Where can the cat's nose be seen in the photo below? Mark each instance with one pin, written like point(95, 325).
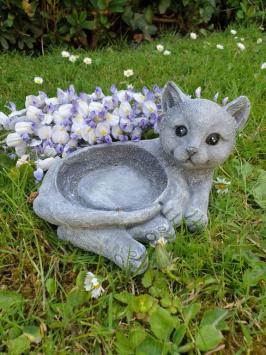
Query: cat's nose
point(192, 150)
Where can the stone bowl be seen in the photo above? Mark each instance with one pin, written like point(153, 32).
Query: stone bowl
point(112, 178)
point(119, 184)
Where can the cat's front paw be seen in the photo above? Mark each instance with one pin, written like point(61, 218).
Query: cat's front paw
point(172, 211)
point(195, 219)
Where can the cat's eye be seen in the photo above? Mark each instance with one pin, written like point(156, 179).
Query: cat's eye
point(213, 139)
point(180, 131)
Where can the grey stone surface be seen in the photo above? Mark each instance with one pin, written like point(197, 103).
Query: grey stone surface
point(107, 198)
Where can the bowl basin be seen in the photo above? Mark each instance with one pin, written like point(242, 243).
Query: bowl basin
point(116, 177)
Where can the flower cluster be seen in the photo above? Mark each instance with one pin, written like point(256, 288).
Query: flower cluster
point(50, 127)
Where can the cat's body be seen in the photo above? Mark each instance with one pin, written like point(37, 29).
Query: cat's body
point(196, 135)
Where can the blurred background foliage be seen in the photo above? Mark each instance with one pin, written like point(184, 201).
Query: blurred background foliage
point(36, 24)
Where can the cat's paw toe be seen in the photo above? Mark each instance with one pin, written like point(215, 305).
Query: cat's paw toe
point(196, 220)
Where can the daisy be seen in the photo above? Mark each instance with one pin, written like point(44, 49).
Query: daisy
point(92, 284)
point(73, 58)
point(166, 52)
point(233, 32)
point(193, 35)
point(65, 54)
point(219, 46)
point(38, 80)
point(221, 185)
point(241, 46)
point(263, 66)
point(160, 48)
point(259, 40)
point(87, 60)
point(128, 73)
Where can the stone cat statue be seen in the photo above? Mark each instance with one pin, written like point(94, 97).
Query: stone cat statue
point(195, 136)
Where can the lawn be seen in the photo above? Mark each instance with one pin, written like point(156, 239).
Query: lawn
point(212, 295)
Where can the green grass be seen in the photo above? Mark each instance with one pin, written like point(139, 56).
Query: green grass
point(223, 267)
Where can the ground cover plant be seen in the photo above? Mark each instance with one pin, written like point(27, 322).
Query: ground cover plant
point(207, 292)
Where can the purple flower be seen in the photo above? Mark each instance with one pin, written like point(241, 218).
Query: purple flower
point(113, 89)
point(59, 148)
point(25, 137)
point(38, 174)
point(108, 139)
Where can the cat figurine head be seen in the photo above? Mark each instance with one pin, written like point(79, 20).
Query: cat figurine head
point(199, 133)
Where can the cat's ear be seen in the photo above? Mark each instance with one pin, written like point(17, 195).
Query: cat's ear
point(172, 96)
point(239, 109)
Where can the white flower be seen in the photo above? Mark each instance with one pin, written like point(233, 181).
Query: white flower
point(45, 164)
point(82, 107)
point(38, 80)
point(149, 107)
point(198, 92)
point(242, 39)
point(49, 151)
point(73, 58)
point(233, 32)
point(44, 132)
point(193, 35)
point(241, 46)
point(125, 109)
point(59, 135)
point(219, 46)
point(102, 129)
point(33, 113)
point(112, 119)
point(95, 106)
point(23, 127)
point(87, 60)
point(130, 87)
point(22, 160)
point(52, 100)
point(128, 72)
point(65, 54)
point(63, 112)
point(91, 283)
point(139, 97)
point(166, 52)
point(116, 132)
point(221, 185)
point(263, 66)
point(160, 47)
point(88, 134)
point(235, 37)
point(14, 140)
point(47, 118)
point(259, 40)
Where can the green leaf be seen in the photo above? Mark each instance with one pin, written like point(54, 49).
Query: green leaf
point(136, 336)
point(215, 317)
point(162, 323)
point(122, 344)
point(259, 190)
point(149, 346)
point(77, 297)
point(11, 301)
point(89, 25)
point(19, 345)
point(6, 162)
point(147, 278)
point(191, 311)
point(50, 285)
point(163, 6)
point(4, 43)
point(101, 4)
point(142, 303)
point(124, 297)
point(33, 334)
point(208, 337)
point(179, 334)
